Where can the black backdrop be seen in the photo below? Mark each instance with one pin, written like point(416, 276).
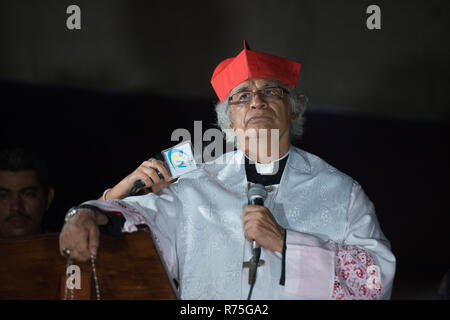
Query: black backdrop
point(87, 102)
point(92, 140)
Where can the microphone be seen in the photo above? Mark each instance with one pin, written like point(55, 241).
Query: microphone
point(257, 193)
point(178, 160)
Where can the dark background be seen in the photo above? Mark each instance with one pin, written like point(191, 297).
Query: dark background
point(98, 101)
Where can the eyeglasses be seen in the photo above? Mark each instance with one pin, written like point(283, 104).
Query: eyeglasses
point(246, 97)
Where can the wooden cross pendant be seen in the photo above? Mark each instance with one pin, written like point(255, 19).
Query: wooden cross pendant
point(251, 265)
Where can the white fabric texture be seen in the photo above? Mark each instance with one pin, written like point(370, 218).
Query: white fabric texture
point(197, 225)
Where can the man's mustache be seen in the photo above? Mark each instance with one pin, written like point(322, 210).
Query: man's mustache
point(18, 214)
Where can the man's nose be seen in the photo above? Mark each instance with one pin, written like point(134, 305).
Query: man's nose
point(258, 102)
point(16, 203)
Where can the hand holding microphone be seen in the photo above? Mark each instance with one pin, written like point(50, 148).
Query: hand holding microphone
point(150, 174)
point(257, 193)
point(260, 227)
point(155, 174)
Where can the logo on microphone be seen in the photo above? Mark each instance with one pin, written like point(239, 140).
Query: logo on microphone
point(180, 159)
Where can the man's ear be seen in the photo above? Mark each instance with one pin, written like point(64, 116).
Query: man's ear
point(294, 116)
point(50, 196)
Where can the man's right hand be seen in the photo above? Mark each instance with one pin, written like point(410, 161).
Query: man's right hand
point(80, 235)
point(145, 172)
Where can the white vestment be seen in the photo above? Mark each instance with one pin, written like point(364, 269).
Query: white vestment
point(197, 225)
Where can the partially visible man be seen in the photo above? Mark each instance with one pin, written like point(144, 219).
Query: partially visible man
point(25, 193)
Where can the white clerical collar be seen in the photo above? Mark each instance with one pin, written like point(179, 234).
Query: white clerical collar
point(267, 168)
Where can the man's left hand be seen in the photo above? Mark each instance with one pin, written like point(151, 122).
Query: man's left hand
point(260, 225)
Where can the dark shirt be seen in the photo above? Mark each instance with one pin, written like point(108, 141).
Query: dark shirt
point(264, 179)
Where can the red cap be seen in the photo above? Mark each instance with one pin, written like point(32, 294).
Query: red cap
point(253, 64)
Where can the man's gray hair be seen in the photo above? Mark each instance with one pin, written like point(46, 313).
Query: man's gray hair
point(297, 102)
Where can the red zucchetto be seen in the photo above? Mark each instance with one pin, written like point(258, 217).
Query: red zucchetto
point(253, 64)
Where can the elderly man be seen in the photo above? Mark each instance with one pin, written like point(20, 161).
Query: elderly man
point(318, 231)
